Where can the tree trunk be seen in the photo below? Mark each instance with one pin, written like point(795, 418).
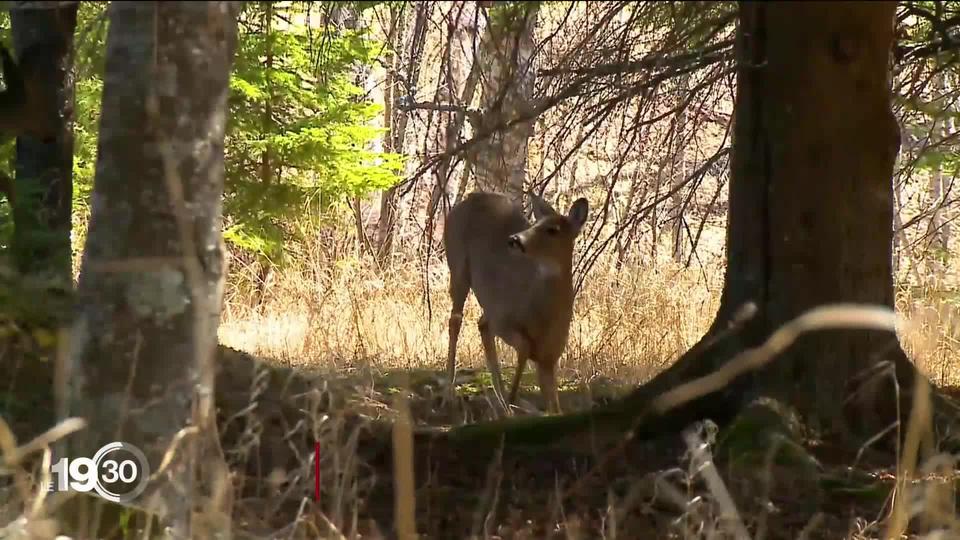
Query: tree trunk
point(811, 206)
point(948, 128)
point(386, 219)
point(397, 119)
point(43, 186)
point(938, 229)
point(460, 76)
point(507, 83)
point(678, 171)
point(140, 368)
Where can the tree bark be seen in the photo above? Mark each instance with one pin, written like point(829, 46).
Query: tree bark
point(825, 145)
point(811, 205)
point(43, 185)
point(507, 84)
point(140, 367)
point(678, 171)
point(390, 111)
point(397, 122)
point(460, 76)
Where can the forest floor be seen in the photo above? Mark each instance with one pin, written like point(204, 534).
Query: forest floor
point(644, 489)
point(324, 362)
point(272, 417)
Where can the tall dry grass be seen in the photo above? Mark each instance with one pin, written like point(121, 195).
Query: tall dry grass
point(340, 312)
point(932, 334)
point(333, 310)
point(346, 315)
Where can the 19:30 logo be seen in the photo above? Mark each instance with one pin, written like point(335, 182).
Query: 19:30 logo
point(118, 472)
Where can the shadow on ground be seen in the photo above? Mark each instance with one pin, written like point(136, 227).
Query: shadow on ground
point(273, 416)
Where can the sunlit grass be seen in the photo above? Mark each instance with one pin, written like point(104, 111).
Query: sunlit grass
point(629, 323)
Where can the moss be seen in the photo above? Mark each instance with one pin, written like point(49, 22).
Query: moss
point(763, 427)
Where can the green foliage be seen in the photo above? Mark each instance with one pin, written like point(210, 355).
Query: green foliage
point(300, 127)
point(318, 134)
point(362, 6)
point(89, 60)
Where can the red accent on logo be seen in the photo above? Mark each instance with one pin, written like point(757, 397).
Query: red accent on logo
point(316, 471)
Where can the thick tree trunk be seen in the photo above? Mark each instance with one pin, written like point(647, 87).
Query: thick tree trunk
point(825, 144)
point(43, 186)
point(507, 81)
point(140, 368)
point(811, 205)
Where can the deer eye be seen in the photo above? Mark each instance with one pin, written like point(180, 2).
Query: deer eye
point(553, 231)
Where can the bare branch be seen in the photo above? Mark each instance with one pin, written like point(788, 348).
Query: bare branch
point(407, 105)
point(652, 61)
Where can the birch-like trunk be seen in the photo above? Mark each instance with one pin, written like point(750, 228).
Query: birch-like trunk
point(140, 368)
point(507, 82)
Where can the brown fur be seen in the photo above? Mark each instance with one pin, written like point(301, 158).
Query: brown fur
point(521, 275)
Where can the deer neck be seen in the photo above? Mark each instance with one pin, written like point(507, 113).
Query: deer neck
point(560, 274)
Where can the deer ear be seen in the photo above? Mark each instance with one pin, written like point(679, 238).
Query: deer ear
point(541, 208)
point(578, 213)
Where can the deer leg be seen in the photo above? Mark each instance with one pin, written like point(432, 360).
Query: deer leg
point(456, 320)
point(522, 346)
point(521, 365)
point(547, 373)
point(459, 288)
point(493, 363)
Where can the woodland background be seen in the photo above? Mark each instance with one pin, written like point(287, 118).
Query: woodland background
point(315, 235)
point(342, 157)
point(353, 127)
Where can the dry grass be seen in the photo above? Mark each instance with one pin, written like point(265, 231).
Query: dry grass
point(339, 316)
point(932, 335)
point(344, 317)
point(628, 324)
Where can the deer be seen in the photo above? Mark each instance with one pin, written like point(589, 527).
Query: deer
point(521, 275)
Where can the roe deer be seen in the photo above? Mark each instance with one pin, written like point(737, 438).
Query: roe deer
point(521, 275)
